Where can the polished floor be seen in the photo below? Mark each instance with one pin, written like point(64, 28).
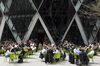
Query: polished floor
point(34, 60)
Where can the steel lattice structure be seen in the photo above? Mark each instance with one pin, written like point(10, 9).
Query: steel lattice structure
point(6, 19)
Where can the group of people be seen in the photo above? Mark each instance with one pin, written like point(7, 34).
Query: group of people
point(14, 51)
point(52, 52)
point(80, 55)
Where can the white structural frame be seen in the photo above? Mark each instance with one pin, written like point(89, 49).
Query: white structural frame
point(7, 20)
point(2, 21)
point(34, 21)
point(78, 22)
point(94, 31)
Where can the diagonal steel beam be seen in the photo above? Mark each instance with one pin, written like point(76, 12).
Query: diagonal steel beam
point(78, 21)
point(34, 21)
point(78, 5)
point(2, 24)
point(3, 21)
point(8, 5)
point(46, 30)
point(94, 31)
point(9, 22)
point(76, 17)
point(31, 27)
point(2, 7)
point(13, 31)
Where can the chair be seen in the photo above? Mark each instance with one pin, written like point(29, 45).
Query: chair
point(30, 52)
point(1, 51)
point(57, 56)
point(91, 54)
point(13, 56)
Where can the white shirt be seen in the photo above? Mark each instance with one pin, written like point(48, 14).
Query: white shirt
point(76, 51)
point(7, 52)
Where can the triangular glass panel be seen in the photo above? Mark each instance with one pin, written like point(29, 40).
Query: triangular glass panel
point(74, 35)
point(55, 14)
point(86, 21)
point(21, 13)
point(75, 1)
point(37, 3)
point(21, 7)
point(7, 35)
point(21, 24)
point(39, 34)
point(90, 23)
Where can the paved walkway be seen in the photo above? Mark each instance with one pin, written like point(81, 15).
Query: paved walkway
point(36, 61)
